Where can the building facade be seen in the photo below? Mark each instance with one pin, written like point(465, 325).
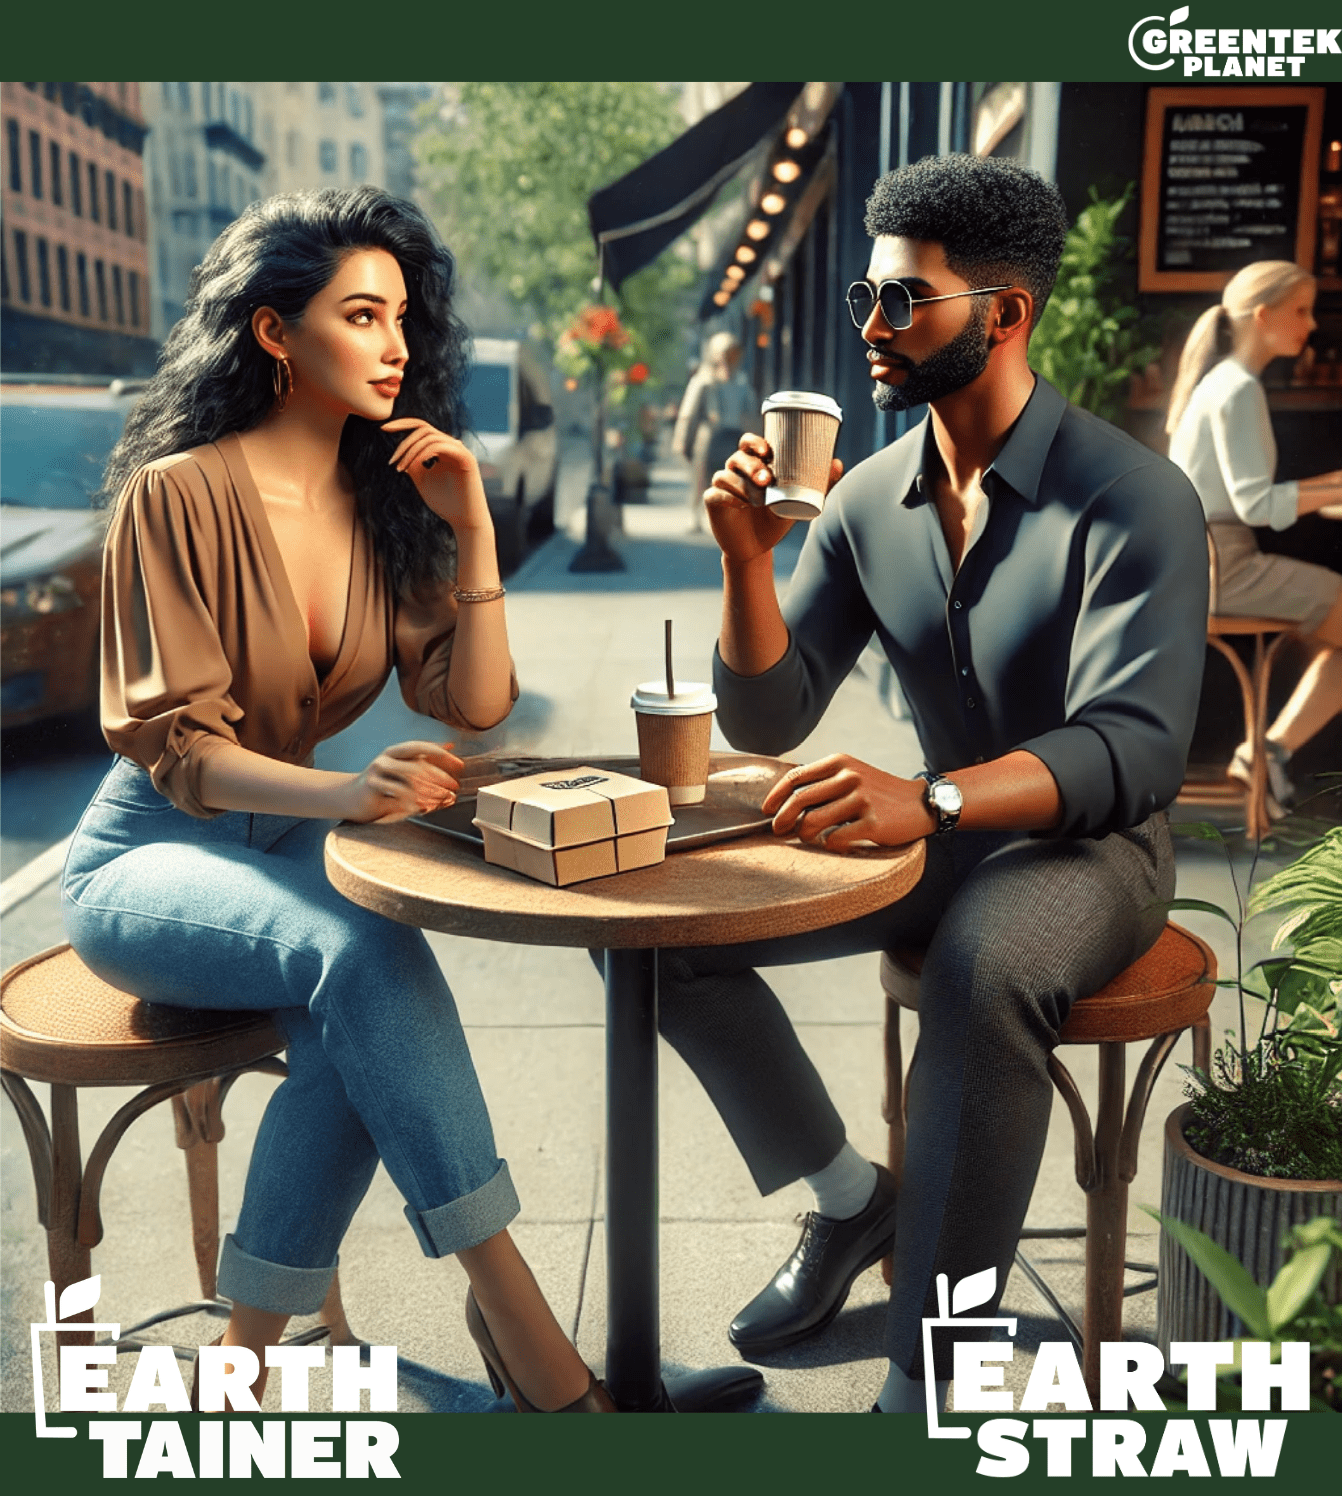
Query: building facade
point(76, 275)
point(216, 147)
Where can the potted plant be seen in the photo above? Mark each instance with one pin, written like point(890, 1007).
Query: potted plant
point(1292, 1307)
point(1257, 1150)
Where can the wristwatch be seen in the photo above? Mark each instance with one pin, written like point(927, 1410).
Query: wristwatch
point(943, 798)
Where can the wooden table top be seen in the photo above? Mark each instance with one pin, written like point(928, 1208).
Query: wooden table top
point(753, 888)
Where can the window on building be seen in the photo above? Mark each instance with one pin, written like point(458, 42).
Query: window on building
point(174, 173)
point(76, 196)
point(118, 299)
point(184, 97)
point(326, 155)
point(192, 184)
point(358, 162)
point(21, 265)
point(49, 92)
point(354, 100)
point(57, 196)
point(82, 277)
point(93, 193)
point(15, 156)
point(43, 272)
point(100, 281)
point(110, 180)
point(167, 95)
point(128, 209)
point(63, 275)
point(205, 97)
point(247, 117)
point(214, 180)
point(293, 149)
point(326, 93)
point(4, 275)
point(134, 280)
point(35, 163)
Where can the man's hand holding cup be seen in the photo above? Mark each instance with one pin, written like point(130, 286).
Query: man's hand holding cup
point(743, 523)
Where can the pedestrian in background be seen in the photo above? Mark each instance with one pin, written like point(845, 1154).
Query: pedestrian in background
point(718, 408)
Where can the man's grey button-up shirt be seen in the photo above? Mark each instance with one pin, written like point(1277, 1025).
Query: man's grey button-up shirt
point(1075, 627)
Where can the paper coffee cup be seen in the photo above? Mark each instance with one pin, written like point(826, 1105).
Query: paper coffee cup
point(801, 427)
point(673, 737)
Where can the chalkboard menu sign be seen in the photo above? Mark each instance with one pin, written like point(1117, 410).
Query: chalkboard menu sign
point(1231, 175)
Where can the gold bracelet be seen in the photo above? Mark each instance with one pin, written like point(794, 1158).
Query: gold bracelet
point(477, 594)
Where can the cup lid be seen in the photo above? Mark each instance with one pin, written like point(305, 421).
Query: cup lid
point(801, 400)
point(692, 699)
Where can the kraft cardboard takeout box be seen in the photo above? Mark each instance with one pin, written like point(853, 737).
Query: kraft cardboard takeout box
point(566, 825)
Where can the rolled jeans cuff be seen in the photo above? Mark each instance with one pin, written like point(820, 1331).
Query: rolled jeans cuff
point(271, 1286)
point(466, 1222)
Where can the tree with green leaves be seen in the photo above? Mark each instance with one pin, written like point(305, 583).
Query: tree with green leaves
point(507, 169)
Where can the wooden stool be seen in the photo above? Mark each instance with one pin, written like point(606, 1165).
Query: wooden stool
point(1268, 634)
point(61, 1024)
point(1168, 990)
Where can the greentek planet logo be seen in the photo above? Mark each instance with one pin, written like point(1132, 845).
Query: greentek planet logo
point(1156, 43)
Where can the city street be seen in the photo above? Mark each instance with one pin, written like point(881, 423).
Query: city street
point(534, 1017)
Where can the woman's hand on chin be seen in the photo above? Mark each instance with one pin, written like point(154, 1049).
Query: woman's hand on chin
point(404, 780)
point(445, 472)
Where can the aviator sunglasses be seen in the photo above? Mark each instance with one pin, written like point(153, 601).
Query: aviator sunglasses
point(897, 301)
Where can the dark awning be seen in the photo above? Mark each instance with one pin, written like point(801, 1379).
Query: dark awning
point(634, 219)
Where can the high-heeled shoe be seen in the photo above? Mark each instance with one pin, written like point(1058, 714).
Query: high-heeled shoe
point(595, 1400)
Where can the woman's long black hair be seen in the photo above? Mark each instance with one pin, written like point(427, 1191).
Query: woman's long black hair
point(214, 378)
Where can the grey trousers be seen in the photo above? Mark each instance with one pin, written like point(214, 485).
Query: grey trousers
point(1016, 929)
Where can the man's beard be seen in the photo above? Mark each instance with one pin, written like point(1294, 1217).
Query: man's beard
point(950, 368)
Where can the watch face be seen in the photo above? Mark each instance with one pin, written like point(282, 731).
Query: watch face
point(947, 798)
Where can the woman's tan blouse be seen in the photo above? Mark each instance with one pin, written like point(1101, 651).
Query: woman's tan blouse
point(203, 641)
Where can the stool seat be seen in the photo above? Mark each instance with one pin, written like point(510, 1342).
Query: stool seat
point(59, 1022)
point(1161, 994)
point(1223, 624)
point(1166, 989)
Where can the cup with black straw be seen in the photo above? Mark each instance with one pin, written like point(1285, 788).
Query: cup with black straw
point(675, 723)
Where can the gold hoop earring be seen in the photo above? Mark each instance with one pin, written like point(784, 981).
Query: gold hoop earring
point(283, 379)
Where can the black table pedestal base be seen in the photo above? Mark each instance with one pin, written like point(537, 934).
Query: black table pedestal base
point(633, 1332)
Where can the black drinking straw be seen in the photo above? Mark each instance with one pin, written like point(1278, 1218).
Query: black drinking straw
point(670, 678)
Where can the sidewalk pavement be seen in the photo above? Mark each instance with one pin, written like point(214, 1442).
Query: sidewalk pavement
point(534, 1019)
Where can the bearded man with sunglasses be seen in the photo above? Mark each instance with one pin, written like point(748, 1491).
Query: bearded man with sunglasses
point(1038, 581)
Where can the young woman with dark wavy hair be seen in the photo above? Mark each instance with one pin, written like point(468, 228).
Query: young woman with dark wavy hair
point(295, 516)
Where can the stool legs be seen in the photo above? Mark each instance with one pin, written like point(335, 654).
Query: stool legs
point(1106, 1219)
point(199, 1127)
point(68, 1258)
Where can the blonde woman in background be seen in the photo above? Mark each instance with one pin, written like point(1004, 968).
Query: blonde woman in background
point(1221, 436)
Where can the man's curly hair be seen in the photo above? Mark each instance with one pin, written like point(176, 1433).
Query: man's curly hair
point(997, 222)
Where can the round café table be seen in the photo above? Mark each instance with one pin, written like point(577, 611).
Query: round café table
point(754, 888)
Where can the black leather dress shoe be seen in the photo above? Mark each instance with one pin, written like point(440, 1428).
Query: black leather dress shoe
point(813, 1284)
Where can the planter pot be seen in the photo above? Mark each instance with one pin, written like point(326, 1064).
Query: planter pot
point(1244, 1213)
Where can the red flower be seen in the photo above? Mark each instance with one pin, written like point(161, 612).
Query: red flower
point(637, 373)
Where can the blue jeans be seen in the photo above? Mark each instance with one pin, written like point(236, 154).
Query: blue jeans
point(236, 912)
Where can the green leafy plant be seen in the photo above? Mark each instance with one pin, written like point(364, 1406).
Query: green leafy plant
point(1089, 340)
point(1291, 1307)
point(1272, 1105)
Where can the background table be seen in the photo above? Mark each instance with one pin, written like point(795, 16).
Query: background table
point(754, 888)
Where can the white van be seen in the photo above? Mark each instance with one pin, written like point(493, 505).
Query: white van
point(510, 423)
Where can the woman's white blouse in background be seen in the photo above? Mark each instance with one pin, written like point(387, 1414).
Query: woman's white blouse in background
point(1224, 443)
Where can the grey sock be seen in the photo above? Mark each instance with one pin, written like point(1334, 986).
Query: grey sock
point(845, 1185)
